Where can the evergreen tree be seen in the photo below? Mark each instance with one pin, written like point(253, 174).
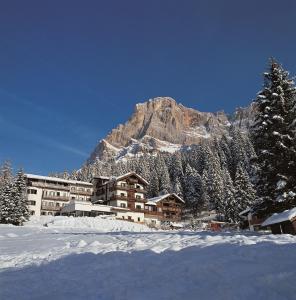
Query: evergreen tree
point(228, 206)
point(193, 190)
point(244, 192)
point(272, 134)
point(19, 197)
point(163, 175)
point(6, 181)
point(153, 188)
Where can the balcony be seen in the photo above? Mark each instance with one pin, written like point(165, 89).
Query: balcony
point(126, 198)
point(52, 208)
point(82, 193)
point(59, 198)
point(127, 188)
point(49, 186)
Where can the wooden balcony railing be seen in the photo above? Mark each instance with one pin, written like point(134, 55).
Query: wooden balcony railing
point(127, 198)
point(50, 186)
point(49, 207)
point(127, 188)
point(59, 198)
point(83, 193)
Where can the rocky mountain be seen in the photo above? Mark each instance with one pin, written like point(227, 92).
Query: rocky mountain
point(161, 124)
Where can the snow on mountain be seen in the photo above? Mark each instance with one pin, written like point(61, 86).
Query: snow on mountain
point(161, 124)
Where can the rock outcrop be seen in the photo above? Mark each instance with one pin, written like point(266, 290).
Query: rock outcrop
point(161, 124)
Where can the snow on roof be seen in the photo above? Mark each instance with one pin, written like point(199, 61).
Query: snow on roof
point(286, 215)
point(129, 174)
point(103, 177)
point(159, 198)
point(33, 176)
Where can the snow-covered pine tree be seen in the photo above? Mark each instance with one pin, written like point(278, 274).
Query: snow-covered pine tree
point(21, 213)
point(245, 194)
point(6, 181)
point(193, 190)
point(272, 135)
point(212, 179)
point(228, 206)
point(163, 175)
point(153, 188)
point(176, 174)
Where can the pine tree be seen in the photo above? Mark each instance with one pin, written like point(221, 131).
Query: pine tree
point(163, 175)
point(176, 174)
point(193, 190)
point(245, 194)
point(19, 195)
point(212, 179)
point(228, 206)
point(153, 188)
point(272, 135)
point(6, 182)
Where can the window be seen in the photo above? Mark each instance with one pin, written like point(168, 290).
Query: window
point(57, 204)
point(123, 217)
point(88, 190)
point(32, 202)
point(122, 205)
point(43, 213)
point(123, 184)
point(138, 186)
point(129, 217)
point(159, 209)
point(31, 191)
point(122, 194)
point(58, 194)
point(73, 188)
point(138, 197)
point(32, 212)
point(139, 219)
point(138, 207)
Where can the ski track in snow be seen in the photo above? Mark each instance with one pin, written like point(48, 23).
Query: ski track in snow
point(82, 259)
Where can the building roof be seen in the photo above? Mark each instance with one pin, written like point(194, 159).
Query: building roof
point(33, 176)
point(129, 174)
point(286, 215)
point(102, 177)
point(153, 201)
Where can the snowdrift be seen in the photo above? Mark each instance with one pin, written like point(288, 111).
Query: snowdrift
point(102, 224)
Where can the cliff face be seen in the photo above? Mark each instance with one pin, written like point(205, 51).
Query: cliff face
point(161, 124)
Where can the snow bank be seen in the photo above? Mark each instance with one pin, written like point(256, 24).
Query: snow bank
point(102, 224)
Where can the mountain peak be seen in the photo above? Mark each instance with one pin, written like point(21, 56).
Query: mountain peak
point(160, 124)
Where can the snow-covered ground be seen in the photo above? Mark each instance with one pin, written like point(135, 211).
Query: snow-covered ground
point(94, 258)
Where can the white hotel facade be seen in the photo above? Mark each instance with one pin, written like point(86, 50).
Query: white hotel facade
point(48, 195)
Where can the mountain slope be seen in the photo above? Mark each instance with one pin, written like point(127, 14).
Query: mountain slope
point(161, 124)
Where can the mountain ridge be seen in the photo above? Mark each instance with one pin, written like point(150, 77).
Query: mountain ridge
point(162, 124)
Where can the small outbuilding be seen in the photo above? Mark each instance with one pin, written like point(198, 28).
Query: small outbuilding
point(284, 222)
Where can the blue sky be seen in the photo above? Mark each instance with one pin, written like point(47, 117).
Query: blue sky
point(70, 71)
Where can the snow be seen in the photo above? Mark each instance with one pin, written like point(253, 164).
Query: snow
point(33, 176)
point(72, 259)
point(280, 217)
point(159, 198)
point(281, 184)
